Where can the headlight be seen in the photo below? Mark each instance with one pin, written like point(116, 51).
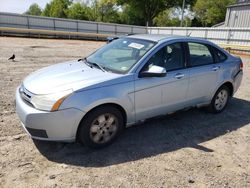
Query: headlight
point(50, 102)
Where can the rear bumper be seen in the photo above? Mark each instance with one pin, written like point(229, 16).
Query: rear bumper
point(51, 126)
point(237, 80)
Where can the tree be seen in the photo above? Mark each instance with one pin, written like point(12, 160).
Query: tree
point(165, 18)
point(130, 16)
point(94, 10)
point(79, 11)
point(34, 9)
point(108, 11)
point(104, 11)
point(57, 8)
point(211, 12)
point(171, 17)
point(46, 11)
point(150, 8)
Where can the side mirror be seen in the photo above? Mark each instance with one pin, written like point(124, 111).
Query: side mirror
point(110, 39)
point(154, 71)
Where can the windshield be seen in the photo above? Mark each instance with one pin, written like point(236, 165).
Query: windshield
point(120, 55)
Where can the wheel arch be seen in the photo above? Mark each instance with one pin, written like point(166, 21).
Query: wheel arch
point(117, 106)
point(230, 86)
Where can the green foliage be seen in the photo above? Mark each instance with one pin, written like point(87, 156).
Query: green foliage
point(164, 19)
point(79, 11)
point(211, 12)
point(137, 12)
point(34, 9)
point(57, 8)
point(107, 11)
point(169, 17)
point(46, 11)
point(147, 9)
point(129, 15)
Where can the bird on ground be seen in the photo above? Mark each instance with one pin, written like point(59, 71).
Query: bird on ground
point(12, 57)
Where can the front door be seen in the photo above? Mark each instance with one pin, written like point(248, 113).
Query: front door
point(159, 95)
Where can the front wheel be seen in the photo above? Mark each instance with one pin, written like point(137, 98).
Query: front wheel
point(100, 127)
point(220, 100)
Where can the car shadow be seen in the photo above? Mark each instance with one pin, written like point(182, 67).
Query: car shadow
point(156, 136)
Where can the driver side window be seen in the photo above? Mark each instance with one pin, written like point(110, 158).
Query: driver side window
point(170, 57)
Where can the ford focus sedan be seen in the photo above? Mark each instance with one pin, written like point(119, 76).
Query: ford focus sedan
point(131, 79)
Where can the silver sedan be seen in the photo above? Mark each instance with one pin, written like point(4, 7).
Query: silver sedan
point(131, 79)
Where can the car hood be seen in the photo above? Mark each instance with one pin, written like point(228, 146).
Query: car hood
point(69, 75)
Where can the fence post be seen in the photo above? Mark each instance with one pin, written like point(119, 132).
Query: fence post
point(97, 30)
point(132, 29)
point(228, 36)
point(172, 31)
point(28, 22)
point(115, 29)
point(28, 25)
point(77, 36)
point(54, 24)
point(186, 31)
point(206, 30)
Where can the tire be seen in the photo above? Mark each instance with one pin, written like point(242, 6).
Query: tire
point(101, 127)
point(220, 100)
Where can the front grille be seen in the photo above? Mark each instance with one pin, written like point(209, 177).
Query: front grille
point(25, 95)
point(37, 132)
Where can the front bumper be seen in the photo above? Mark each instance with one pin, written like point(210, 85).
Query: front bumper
point(60, 125)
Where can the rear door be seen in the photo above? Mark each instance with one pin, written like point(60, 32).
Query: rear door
point(204, 72)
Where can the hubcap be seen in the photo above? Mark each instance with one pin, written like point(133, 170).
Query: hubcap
point(103, 128)
point(221, 100)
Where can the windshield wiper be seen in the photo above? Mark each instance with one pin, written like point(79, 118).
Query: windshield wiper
point(85, 61)
point(90, 64)
point(97, 65)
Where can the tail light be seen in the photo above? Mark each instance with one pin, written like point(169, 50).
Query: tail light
point(241, 65)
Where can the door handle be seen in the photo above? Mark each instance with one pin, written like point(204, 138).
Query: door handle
point(215, 68)
point(179, 75)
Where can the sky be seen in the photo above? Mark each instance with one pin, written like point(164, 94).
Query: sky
point(19, 6)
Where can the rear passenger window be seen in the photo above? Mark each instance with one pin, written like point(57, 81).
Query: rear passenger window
point(220, 55)
point(199, 54)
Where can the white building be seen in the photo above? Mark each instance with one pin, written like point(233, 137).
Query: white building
point(238, 15)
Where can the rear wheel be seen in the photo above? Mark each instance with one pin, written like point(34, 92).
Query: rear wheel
point(101, 126)
point(220, 100)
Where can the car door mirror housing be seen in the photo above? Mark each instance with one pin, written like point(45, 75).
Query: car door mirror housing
point(111, 39)
point(153, 71)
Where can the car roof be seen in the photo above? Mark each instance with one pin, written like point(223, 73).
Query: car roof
point(162, 37)
point(159, 38)
point(155, 37)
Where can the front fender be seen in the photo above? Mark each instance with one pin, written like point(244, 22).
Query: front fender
point(120, 94)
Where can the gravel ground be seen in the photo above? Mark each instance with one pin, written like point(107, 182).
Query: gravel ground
point(185, 149)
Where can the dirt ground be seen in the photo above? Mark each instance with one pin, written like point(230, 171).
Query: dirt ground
point(186, 149)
